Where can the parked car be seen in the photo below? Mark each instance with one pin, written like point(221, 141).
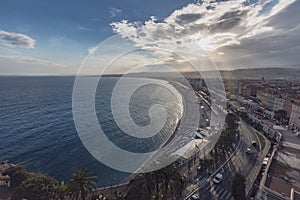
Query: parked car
point(200, 136)
point(195, 197)
point(218, 178)
point(285, 178)
point(248, 150)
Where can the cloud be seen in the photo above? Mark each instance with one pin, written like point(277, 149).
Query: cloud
point(279, 47)
point(188, 18)
point(212, 25)
point(31, 60)
point(114, 12)
point(16, 40)
point(82, 28)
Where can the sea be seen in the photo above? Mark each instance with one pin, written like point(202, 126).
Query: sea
point(37, 127)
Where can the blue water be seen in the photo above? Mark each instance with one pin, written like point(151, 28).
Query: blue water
point(37, 128)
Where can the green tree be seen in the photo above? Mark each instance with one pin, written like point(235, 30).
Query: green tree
point(63, 190)
point(231, 121)
point(119, 195)
point(38, 187)
point(161, 184)
point(172, 182)
point(82, 184)
point(17, 174)
point(141, 187)
point(238, 187)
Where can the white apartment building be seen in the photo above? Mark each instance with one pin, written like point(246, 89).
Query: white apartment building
point(294, 122)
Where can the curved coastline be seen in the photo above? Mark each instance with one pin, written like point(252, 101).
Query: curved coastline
point(126, 181)
point(35, 163)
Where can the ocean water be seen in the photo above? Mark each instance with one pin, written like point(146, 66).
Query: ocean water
point(37, 128)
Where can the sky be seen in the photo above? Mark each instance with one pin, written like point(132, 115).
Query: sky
point(54, 37)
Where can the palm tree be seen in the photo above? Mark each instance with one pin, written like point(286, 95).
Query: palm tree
point(172, 182)
point(160, 184)
point(82, 184)
point(63, 190)
point(141, 187)
point(119, 195)
point(145, 185)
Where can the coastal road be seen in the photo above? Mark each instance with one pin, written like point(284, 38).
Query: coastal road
point(247, 164)
point(241, 162)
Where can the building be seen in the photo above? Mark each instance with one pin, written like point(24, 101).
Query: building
point(231, 86)
point(295, 99)
point(288, 107)
point(294, 122)
point(295, 195)
point(278, 104)
point(4, 180)
point(267, 99)
point(275, 102)
point(251, 90)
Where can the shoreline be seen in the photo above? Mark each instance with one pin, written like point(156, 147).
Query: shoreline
point(127, 179)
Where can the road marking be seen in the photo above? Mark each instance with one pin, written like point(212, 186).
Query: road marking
point(202, 183)
point(221, 196)
point(228, 195)
point(218, 189)
point(203, 179)
point(207, 186)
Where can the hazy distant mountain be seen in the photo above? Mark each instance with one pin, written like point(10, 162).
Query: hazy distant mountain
point(256, 73)
point(259, 73)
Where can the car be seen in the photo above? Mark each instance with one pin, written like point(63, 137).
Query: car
point(254, 143)
point(194, 197)
point(200, 136)
point(248, 150)
point(218, 178)
point(285, 178)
